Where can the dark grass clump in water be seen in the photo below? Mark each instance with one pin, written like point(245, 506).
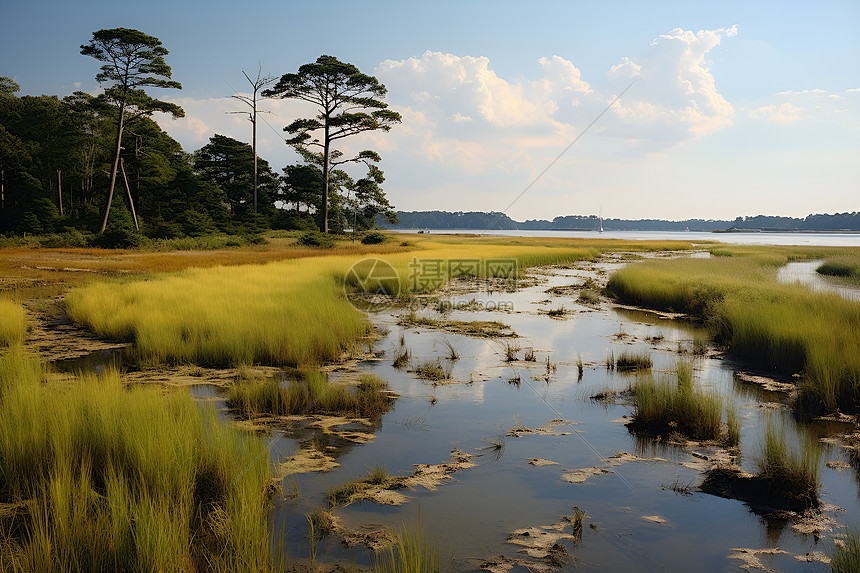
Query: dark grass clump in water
point(846, 558)
point(840, 267)
point(432, 370)
point(793, 471)
point(668, 406)
point(349, 491)
point(630, 362)
point(105, 478)
point(411, 552)
point(310, 394)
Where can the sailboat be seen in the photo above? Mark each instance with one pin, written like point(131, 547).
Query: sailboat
point(601, 220)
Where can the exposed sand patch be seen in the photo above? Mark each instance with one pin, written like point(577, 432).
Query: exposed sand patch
point(581, 475)
point(306, 460)
point(751, 558)
point(655, 519)
point(428, 476)
point(766, 383)
point(544, 430)
point(541, 462)
point(374, 537)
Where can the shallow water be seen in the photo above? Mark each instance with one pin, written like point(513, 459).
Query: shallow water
point(470, 518)
point(804, 272)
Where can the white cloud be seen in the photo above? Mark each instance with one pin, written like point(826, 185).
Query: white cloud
point(466, 105)
point(785, 113)
point(853, 90)
point(816, 91)
point(626, 68)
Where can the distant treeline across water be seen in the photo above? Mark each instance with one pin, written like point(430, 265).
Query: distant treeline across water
point(500, 221)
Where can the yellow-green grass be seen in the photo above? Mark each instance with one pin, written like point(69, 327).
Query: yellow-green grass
point(12, 323)
point(411, 552)
point(783, 327)
point(97, 477)
point(846, 267)
point(284, 313)
point(668, 406)
point(312, 394)
point(846, 557)
point(789, 469)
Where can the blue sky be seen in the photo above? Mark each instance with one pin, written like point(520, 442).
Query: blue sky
point(740, 108)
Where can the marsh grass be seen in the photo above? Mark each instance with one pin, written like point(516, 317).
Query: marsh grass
point(411, 552)
point(556, 312)
point(633, 362)
point(580, 367)
point(120, 479)
point(846, 557)
point(288, 312)
point(476, 328)
point(588, 296)
point(845, 267)
point(451, 352)
point(432, 370)
point(529, 356)
point(13, 325)
point(401, 357)
point(782, 327)
point(311, 393)
point(510, 351)
point(349, 491)
point(789, 469)
point(668, 406)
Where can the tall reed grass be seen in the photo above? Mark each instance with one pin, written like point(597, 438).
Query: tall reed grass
point(667, 406)
point(105, 478)
point(13, 326)
point(790, 468)
point(411, 552)
point(311, 394)
point(784, 327)
point(846, 558)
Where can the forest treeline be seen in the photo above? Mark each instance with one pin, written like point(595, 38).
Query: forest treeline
point(98, 170)
point(500, 221)
point(55, 159)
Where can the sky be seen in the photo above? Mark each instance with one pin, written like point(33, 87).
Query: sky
point(733, 108)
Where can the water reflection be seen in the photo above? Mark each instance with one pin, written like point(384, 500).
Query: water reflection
point(804, 272)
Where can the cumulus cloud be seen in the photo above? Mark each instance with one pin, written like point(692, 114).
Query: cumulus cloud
point(816, 91)
point(675, 99)
point(785, 113)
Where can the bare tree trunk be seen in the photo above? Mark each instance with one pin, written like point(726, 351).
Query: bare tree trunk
point(115, 167)
point(128, 190)
point(60, 189)
point(325, 179)
point(254, 147)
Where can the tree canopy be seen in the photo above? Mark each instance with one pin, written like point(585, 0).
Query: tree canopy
point(347, 102)
point(132, 61)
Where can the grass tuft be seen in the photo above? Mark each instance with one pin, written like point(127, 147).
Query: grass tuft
point(310, 394)
point(120, 479)
point(676, 406)
point(846, 558)
point(790, 470)
point(411, 552)
point(630, 362)
point(13, 326)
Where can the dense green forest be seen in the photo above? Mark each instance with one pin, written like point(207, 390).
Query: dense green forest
point(500, 221)
point(97, 170)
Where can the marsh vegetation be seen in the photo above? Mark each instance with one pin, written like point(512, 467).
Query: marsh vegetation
point(160, 445)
